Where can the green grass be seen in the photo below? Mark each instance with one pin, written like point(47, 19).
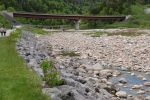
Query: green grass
point(96, 34)
point(35, 30)
point(129, 33)
point(17, 82)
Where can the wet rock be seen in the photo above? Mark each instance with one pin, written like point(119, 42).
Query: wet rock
point(106, 73)
point(132, 74)
point(140, 76)
point(136, 86)
point(121, 94)
point(116, 73)
point(111, 89)
point(147, 98)
point(144, 79)
point(147, 84)
point(119, 84)
point(123, 80)
point(148, 90)
point(141, 92)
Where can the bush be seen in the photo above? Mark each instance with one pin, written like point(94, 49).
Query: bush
point(51, 75)
point(69, 53)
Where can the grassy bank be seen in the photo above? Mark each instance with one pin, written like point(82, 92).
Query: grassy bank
point(17, 82)
point(35, 30)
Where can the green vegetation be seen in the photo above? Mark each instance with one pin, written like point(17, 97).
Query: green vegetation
point(17, 81)
point(129, 33)
point(83, 7)
point(96, 34)
point(138, 20)
point(51, 75)
point(69, 53)
point(35, 30)
point(4, 22)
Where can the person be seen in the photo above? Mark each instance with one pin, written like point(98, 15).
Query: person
point(3, 32)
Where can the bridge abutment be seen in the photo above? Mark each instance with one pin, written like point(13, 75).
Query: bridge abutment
point(77, 24)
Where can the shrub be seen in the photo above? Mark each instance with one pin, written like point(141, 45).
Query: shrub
point(51, 75)
point(69, 53)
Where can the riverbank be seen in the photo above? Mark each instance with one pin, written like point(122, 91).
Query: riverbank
point(17, 81)
point(93, 68)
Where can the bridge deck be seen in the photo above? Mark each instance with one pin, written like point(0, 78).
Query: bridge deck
point(72, 17)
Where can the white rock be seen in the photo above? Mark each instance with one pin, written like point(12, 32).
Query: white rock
point(147, 98)
point(141, 92)
point(136, 86)
point(121, 94)
point(132, 74)
point(144, 79)
point(147, 84)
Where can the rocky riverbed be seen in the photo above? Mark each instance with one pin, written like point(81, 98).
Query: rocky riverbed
point(106, 67)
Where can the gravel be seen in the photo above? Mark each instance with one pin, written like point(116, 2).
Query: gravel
point(115, 51)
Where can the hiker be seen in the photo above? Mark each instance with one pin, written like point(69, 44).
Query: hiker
point(3, 32)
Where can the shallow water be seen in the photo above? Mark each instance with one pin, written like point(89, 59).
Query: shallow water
point(132, 80)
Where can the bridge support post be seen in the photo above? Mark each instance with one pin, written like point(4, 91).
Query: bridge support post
point(77, 24)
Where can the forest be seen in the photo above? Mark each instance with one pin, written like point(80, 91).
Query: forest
point(95, 7)
point(78, 7)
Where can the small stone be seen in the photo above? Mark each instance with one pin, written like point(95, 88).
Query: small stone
point(141, 92)
point(144, 79)
point(132, 74)
point(147, 84)
point(106, 73)
point(109, 83)
point(104, 80)
point(125, 86)
point(116, 73)
point(121, 94)
point(97, 67)
point(123, 80)
point(120, 84)
point(147, 98)
point(148, 91)
point(140, 76)
point(136, 86)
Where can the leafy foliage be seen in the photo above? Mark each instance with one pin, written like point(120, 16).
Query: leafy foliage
point(82, 7)
point(51, 75)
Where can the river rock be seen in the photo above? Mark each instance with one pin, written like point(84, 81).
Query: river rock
point(136, 86)
point(144, 79)
point(97, 67)
point(121, 94)
point(141, 92)
point(54, 93)
point(116, 73)
point(106, 73)
point(123, 80)
point(147, 98)
point(148, 90)
point(147, 84)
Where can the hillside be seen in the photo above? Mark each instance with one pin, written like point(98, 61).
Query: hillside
point(83, 7)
